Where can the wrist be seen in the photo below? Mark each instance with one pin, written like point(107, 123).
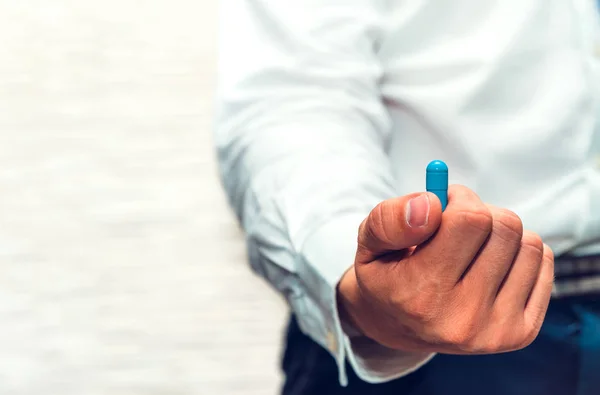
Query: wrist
point(348, 301)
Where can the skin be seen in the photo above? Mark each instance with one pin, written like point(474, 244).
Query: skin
point(468, 281)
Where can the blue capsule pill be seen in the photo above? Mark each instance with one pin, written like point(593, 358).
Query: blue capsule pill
point(436, 181)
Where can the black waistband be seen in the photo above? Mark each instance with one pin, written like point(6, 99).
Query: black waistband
point(576, 275)
point(571, 267)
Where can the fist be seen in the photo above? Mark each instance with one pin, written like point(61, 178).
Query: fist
point(466, 281)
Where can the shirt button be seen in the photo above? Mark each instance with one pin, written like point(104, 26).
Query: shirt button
point(331, 342)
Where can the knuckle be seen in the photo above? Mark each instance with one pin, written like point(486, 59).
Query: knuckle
point(485, 343)
point(548, 266)
point(462, 194)
point(550, 263)
point(525, 343)
point(476, 336)
point(492, 346)
point(529, 336)
point(479, 218)
point(361, 227)
point(419, 308)
point(462, 336)
point(537, 312)
point(362, 232)
point(364, 242)
point(466, 342)
point(548, 254)
point(507, 224)
point(369, 231)
point(378, 227)
point(533, 241)
point(388, 225)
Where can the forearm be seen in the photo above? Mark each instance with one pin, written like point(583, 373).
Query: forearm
point(301, 136)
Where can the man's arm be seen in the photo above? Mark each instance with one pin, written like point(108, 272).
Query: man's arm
point(300, 134)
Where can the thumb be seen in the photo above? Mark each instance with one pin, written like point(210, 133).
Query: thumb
point(399, 223)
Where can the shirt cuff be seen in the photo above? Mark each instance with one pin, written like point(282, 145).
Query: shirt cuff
point(327, 255)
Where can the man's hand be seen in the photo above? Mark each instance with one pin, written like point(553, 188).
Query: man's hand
point(468, 281)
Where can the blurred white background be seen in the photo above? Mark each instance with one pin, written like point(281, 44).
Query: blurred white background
point(121, 268)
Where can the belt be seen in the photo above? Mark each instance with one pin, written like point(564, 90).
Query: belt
point(576, 275)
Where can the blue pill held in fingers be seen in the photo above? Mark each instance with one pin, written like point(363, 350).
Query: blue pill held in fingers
point(436, 181)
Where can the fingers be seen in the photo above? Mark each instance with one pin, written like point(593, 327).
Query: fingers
point(397, 224)
point(496, 256)
point(466, 225)
point(524, 273)
point(537, 304)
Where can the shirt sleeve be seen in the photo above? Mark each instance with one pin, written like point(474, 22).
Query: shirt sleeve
point(300, 134)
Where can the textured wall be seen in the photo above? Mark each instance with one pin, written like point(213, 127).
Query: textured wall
point(121, 269)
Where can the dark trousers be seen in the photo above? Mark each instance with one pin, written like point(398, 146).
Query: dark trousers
point(563, 360)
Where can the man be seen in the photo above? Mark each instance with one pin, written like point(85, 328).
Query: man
point(329, 112)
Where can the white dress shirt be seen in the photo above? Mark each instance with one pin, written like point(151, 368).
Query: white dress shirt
point(327, 107)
